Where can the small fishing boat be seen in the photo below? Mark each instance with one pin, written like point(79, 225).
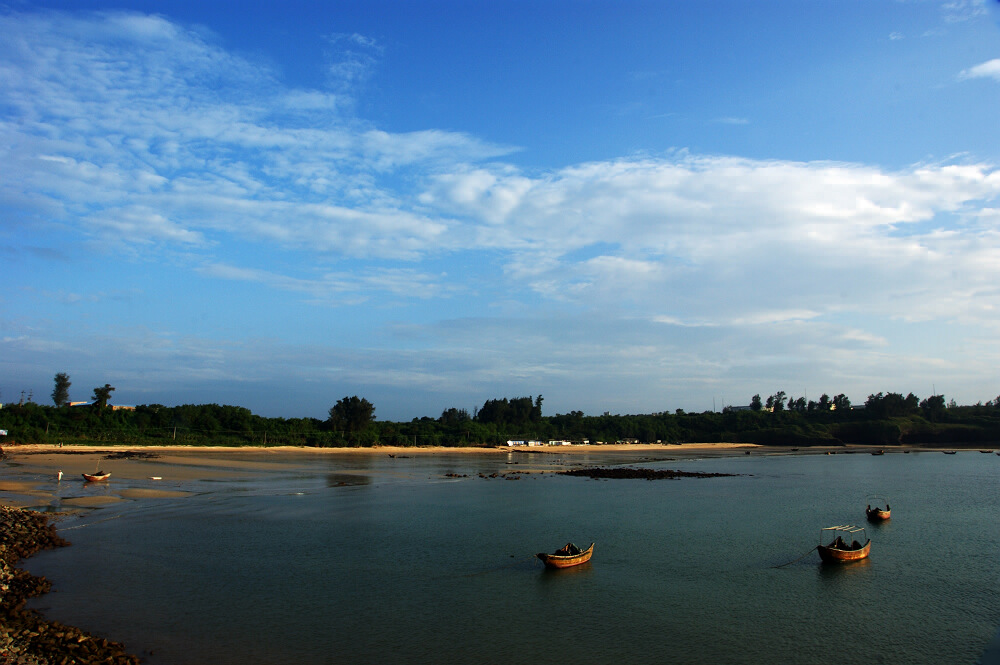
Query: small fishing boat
point(878, 452)
point(841, 544)
point(566, 556)
point(986, 451)
point(949, 452)
point(96, 477)
point(874, 511)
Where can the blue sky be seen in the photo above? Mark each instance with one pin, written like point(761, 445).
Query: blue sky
point(623, 206)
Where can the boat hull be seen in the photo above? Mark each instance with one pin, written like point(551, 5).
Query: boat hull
point(559, 561)
point(835, 555)
point(876, 515)
point(95, 478)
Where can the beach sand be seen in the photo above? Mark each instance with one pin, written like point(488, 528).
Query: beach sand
point(29, 470)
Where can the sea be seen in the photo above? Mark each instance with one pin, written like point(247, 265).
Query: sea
point(430, 559)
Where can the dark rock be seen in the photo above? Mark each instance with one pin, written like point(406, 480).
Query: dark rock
point(641, 474)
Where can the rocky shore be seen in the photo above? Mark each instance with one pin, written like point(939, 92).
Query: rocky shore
point(26, 638)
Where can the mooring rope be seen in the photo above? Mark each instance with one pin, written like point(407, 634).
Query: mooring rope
point(80, 526)
point(799, 559)
point(499, 568)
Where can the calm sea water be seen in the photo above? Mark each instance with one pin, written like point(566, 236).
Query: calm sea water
point(377, 560)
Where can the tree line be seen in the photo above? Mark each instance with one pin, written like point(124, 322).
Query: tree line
point(885, 419)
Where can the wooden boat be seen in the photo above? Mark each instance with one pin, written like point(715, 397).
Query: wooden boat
point(874, 511)
point(96, 477)
point(878, 452)
point(566, 556)
point(833, 548)
point(949, 452)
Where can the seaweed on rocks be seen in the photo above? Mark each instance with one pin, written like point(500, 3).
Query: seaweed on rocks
point(131, 454)
point(641, 474)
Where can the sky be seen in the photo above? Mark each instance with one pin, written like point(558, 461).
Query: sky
point(622, 206)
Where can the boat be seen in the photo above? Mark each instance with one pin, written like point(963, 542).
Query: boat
point(96, 477)
point(566, 556)
point(842, 544)
point(949, 452)
point(986, 451)
point(878, 452)
point(874, 511)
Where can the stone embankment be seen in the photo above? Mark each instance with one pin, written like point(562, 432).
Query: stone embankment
point(25, 637)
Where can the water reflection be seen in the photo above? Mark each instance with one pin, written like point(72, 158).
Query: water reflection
point(553, 575)
point(834, 571)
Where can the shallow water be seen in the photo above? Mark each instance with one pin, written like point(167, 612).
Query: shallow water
point(370, 559)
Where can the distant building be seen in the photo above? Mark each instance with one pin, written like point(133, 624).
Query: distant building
point(113, 407)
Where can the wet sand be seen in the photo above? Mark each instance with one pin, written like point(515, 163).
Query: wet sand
point(30, 469)
point(151, 472)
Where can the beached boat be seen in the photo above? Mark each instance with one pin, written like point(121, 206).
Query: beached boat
point(566, 556)
point(96, 477)
point(878, 452)
point(949, 452)
point(874, 511)
point(841, 544)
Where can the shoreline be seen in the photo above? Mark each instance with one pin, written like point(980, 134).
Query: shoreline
point(14, 449)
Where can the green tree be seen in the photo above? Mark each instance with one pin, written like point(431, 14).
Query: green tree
point(352, 414)
point(776, 402)
point(102, 395)
point(60, 394)
point(454, 416)
point(933, 407)
point(755, 404)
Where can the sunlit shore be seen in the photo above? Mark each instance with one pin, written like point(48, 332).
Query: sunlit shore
point(38, 465)
point(143, 472)
point(582, 448)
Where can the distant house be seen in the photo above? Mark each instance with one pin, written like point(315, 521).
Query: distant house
point(516, 443)
point(113, 407)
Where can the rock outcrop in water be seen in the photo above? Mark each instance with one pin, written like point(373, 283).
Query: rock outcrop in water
point(641, 474)
point(25, 637)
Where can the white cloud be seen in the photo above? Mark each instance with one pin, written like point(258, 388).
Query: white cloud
point(113, 112)
point(988, 69)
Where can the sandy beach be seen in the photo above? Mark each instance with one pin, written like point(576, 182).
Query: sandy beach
point(151, 472)
point(30, 469)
